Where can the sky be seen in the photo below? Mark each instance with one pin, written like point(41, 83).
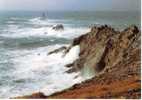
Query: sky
point(75, 5)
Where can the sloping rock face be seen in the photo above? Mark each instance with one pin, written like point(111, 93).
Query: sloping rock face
point(114, 56)
point(103, 47)
point(58, 50)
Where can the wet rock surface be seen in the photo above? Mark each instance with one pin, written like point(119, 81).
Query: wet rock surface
point(104, 47)
point(115, 58)
point(63, 48)
point(58, 27)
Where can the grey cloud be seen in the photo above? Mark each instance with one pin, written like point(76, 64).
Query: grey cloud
point(70, 5)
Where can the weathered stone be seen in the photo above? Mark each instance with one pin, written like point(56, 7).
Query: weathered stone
point(104, 47)
point(58, 27)
point(57, 50)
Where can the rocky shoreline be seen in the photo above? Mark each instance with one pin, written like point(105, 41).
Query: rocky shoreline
point(114, 57)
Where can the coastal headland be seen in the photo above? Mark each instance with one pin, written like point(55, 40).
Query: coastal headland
point(113, 56)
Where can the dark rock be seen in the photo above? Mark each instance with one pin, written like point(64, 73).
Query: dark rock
point(57, 50)
point(58, 27)
point(71, 70)
point(69, 65)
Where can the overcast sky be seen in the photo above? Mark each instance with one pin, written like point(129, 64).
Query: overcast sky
point(115, 5)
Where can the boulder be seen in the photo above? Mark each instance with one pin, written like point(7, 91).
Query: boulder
point(58, 50)
point(58, 27)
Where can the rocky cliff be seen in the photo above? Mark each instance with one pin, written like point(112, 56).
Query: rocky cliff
point(114, 57)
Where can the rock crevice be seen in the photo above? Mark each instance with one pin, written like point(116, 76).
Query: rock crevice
point(104, 47)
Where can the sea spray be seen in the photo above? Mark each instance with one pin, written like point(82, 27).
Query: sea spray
point(35, 71)
point(72, 55)
point(87, 72)
point(62, 80)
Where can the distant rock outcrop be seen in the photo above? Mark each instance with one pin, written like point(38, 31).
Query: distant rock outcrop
point(58, 27)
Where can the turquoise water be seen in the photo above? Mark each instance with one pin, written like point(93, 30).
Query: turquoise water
point(26, 38)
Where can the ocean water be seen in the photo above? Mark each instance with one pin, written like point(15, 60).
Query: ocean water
point(27, 37)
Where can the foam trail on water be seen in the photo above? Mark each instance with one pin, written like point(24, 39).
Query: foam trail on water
point(41, 28)
point(69, 33)
point(64, 80)
point(27, 67)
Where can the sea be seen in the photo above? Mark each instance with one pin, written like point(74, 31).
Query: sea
point(26, 38)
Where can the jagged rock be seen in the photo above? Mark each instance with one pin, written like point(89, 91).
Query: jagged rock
point(69, 65)
point(58, 50)
point(58, 27)
point(104, 47)
point(115, 58)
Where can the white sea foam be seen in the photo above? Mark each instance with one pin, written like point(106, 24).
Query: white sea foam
point(42, 72)
point(45, 30)
point(38, 21)
point(35, 70)
point(63, 80)
point(68, 32)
